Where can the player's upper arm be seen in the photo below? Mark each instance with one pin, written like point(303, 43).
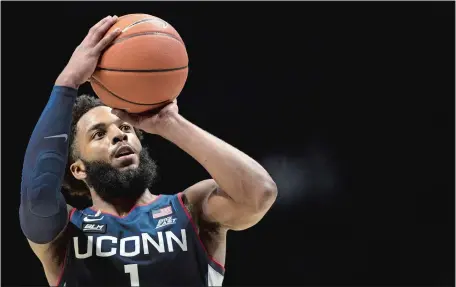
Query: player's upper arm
point(214, 205)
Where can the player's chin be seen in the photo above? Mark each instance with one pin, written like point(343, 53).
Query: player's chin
point(130, 161)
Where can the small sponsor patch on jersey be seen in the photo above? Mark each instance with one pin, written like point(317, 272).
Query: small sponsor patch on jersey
point(165, 222)
point(94, 228)
point(162, 212)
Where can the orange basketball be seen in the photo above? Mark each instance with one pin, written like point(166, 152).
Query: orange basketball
point(144, 68)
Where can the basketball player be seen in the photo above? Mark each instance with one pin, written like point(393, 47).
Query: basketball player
point(129, 236)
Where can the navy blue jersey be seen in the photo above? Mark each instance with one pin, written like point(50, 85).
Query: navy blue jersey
point(154, 245)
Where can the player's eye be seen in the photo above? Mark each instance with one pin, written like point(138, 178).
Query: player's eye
point(98, 135)
point(125, 128)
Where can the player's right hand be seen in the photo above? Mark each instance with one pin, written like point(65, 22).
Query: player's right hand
point(85, 57)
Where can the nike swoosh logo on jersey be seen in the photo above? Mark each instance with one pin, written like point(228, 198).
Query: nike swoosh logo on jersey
point(58, 136)
point(85, 219)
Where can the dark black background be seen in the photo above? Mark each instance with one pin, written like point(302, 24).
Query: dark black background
point(349, 105)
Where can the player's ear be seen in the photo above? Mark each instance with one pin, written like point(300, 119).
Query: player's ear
point(78, 170)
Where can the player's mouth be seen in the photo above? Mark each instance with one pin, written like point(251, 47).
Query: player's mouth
point(124, 153)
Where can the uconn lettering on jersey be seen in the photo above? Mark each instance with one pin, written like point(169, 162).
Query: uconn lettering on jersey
point(106, 246)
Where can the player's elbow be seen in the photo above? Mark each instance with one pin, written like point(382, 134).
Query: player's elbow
point(266, 194)
point(42, 215)
point(252, 214)
point(269, 194)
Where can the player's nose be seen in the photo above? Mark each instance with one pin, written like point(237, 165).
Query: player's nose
point(119, 136)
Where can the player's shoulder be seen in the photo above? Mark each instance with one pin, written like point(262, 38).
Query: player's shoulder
point(197, 193)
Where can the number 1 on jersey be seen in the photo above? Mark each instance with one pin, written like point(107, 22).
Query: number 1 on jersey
point(134, 276)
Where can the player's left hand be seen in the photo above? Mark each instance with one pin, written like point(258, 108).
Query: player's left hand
point(152, 122)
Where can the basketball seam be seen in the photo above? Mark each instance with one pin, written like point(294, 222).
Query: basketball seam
point(146, 33)
point(109, 91)
point(143, 71)
point(137, 22)
point(144, 21)
point(142, 34)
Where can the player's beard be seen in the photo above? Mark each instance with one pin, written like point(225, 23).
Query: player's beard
point(110, 183)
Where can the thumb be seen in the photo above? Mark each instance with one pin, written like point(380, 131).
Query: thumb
point(124, 116)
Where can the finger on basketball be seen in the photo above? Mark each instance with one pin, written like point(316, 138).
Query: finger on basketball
point(95, 27)
point(101, 22)
point(107, 40)
point(100, 31)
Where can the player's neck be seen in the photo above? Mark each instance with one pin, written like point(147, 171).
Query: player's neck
point(121, 206)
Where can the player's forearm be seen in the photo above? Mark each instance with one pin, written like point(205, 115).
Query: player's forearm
point(241, 177)
point(43, 212)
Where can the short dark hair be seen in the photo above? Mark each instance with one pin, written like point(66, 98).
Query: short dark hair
point(82, 105)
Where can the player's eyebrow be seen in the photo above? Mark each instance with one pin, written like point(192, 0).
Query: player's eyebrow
point(100, 126)
point(96, 127)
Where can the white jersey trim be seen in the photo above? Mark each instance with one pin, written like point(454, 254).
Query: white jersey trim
point(214, 278)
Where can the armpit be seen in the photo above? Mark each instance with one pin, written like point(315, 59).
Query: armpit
point(201, 223)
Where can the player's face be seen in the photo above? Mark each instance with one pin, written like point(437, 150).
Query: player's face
point(111, 159)
point(103, 137)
